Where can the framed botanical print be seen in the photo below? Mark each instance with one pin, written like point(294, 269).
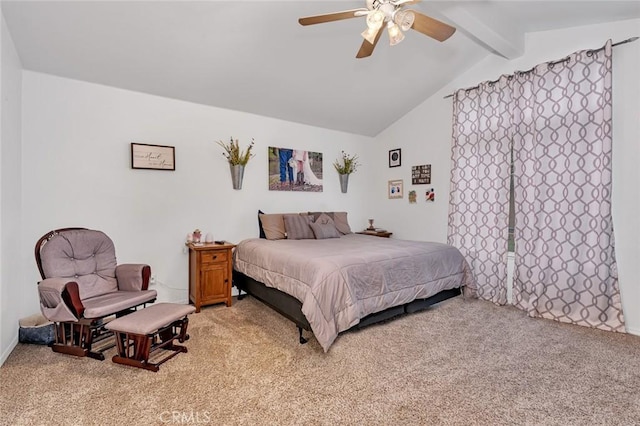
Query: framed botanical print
point(395, 159)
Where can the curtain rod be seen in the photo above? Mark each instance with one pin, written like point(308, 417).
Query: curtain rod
point(629, 40)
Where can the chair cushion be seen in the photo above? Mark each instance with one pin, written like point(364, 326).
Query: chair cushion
point(151, 319)
point(110, 303)
point(82, 255)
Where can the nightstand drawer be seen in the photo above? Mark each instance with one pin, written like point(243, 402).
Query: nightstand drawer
point(213, 256)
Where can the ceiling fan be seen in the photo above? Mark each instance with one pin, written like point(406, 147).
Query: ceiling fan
point(390, 14)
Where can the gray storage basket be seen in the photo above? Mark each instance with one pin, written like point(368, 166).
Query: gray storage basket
point(36, 329)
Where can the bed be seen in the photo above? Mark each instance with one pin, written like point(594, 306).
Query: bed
point(331, 285)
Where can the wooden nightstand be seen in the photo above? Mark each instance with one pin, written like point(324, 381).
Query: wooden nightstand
point(210, 274)
point(383, 234)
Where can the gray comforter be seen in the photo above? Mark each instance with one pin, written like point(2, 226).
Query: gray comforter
point(341, 280)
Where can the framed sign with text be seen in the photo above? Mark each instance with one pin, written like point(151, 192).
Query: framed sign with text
point(154, 157)
point(421, 175)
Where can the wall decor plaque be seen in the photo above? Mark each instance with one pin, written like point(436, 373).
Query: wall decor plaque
point(155, 157)
point(421, 175)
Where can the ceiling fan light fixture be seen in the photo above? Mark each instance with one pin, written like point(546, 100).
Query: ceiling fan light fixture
point(375, 19)
point(395, 35)
point(404, 19)
point(370, 35)
point(389, 13)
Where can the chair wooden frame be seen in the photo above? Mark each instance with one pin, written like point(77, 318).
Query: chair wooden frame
point(136, 349)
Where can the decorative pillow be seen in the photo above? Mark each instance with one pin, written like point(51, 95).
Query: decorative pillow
point(323, 219)
point(273, 226)
point(324, 231)
point(297, 227)
point(339, 220)
point(260, 225)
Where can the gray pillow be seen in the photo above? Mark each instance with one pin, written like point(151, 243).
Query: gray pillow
point(297, 227)
point(339, 219)
point(324, 230)
point(341, 222)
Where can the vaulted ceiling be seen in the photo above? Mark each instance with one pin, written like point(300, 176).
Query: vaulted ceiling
point(253, 56)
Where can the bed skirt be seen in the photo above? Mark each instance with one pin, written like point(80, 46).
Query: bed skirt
point(291, 308)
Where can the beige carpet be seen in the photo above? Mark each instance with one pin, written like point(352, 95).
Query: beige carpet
point(461, 362)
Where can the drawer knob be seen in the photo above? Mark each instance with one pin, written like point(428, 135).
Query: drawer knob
point(215, 257)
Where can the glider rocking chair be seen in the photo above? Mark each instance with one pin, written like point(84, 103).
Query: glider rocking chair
point(82, 286)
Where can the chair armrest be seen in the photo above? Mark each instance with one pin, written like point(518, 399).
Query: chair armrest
point(133, 277)
point(60, 299)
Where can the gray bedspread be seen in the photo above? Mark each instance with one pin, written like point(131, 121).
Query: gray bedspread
point(341, 280)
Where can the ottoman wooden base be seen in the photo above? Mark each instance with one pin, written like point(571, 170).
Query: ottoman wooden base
point(141, 334)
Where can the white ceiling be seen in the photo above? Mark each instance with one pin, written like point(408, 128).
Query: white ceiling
point(253, 56)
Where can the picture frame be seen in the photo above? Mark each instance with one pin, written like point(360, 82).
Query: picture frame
point(395, 189)
point(421, 175)
point(153, 157)
point(295, 170)
point(395, 157)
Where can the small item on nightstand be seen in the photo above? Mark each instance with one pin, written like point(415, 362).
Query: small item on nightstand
point(189, 237)
point(208, 238)
point(220, 242)
point(196, 236)
point(371, 228)
point(377, 232)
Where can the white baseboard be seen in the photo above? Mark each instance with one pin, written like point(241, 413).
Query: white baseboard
point(8, 351)
point(633, 331)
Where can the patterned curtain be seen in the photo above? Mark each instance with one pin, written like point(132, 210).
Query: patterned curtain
point(565, 260)
point(479, 207)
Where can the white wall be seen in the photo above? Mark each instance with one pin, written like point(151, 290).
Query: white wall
point(76, 148)
point(70, 167)
point(425, 138)
point(12, 285)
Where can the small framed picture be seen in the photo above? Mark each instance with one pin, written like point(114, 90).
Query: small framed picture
point(155, 157)
point(394, 189)
point(430, 195)
point(421, 175)
point(395, 158)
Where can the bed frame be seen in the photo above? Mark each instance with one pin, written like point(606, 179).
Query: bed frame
point(291, 308)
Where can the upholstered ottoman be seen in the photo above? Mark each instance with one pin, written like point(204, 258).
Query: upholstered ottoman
point(140, 334)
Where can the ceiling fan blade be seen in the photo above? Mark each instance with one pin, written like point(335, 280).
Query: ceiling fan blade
point(330, 17)
point(432, 27)
point(366, 49)
point(400, 2)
